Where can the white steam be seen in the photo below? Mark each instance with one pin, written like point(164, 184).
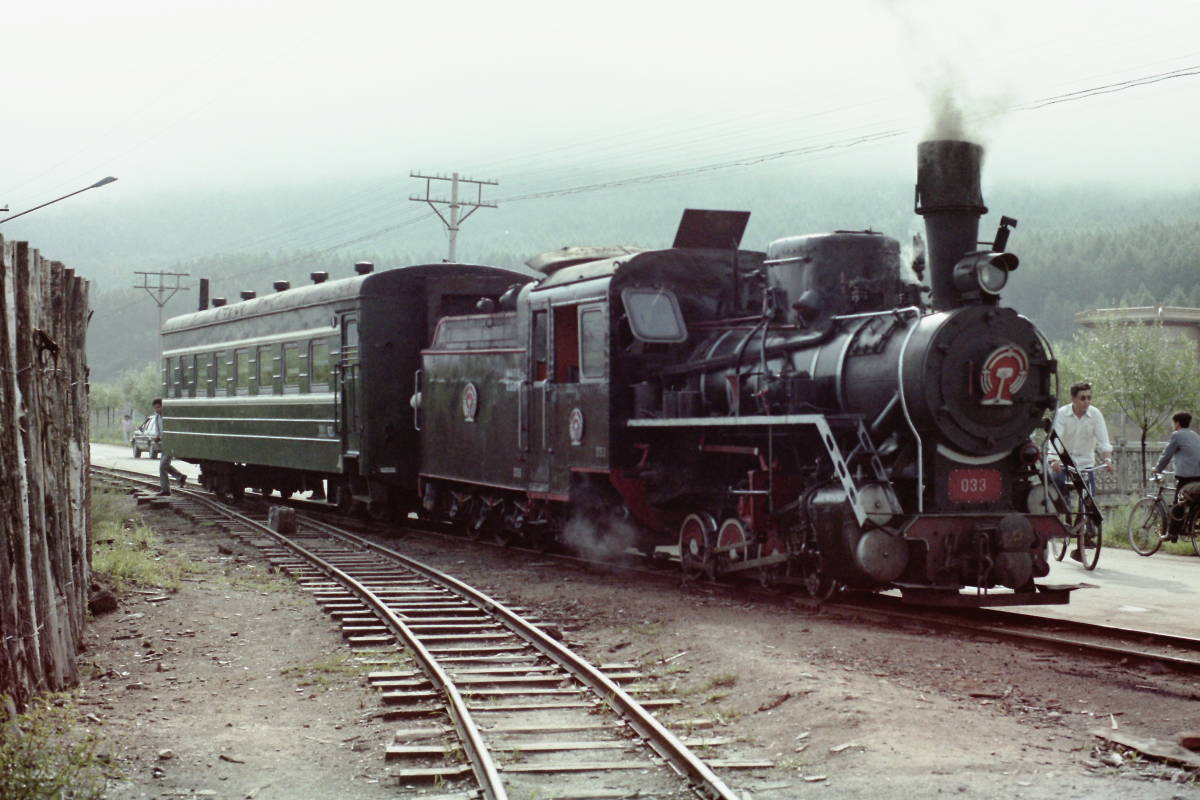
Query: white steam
point(603, 538)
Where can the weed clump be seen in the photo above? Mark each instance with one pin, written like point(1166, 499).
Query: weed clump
point(45, 752)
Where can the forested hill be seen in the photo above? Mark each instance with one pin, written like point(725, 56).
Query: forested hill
point(1080, 247)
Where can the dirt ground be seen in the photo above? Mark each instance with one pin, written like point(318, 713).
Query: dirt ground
point(226, 689)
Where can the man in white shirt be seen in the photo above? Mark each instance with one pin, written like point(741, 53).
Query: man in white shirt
point(165, 470)
point(1080, 426)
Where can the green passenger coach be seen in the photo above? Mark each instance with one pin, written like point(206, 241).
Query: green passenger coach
point(311, 386)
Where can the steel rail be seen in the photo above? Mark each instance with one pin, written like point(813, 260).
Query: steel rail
point(482, 765)
point(703, 781)
point(992, 623)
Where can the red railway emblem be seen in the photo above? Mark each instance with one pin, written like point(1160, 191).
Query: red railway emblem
point(1003, 374)
point(470, 402)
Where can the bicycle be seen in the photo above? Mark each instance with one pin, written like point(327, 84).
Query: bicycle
point(1084, 522)
point(1148, 522)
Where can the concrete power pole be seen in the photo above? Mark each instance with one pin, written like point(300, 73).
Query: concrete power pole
point(162, 291)
point(454, 203)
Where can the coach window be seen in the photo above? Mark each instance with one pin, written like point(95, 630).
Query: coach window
point(267, 354)
point(593, 344)
point(206, 375)
point(241, 370)
point(291, 368)
point(318, 366)
point(168, 376)
point(187, 370)
point(224, 373)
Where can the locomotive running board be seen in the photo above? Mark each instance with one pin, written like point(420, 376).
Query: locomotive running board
point(1046, 595)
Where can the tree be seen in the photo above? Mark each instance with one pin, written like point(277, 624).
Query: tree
point(1136, 368)
point(104, 398)
point(139, 387)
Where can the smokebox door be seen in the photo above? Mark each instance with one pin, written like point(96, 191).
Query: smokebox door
point(721, 230)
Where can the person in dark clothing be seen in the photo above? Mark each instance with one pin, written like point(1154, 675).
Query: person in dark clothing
point(1184, 448)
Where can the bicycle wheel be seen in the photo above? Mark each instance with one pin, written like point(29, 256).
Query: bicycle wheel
point(1147, 521)
point(1191, 530)
point(1059, 545)
point(1091, 537)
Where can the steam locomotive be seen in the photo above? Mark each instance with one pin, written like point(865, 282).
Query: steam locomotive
point(800, 416)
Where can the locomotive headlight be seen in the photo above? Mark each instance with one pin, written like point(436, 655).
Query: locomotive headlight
point(984, 272)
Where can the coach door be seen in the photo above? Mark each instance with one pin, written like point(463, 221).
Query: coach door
point(535, 437)
point(349, 389)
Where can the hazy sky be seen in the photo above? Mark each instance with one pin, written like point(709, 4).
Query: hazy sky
point(547, 96)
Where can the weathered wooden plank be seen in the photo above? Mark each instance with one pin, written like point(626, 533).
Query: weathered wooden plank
point(44, 427)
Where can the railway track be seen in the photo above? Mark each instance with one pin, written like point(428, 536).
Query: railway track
point(1135, 647)
point(492, 706)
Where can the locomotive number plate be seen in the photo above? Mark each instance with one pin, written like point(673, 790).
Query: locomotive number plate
point(974, 485)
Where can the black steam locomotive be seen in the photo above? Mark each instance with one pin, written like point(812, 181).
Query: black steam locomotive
point(801, 416)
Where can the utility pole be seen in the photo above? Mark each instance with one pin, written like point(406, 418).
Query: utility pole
point(454, 203)
point(163, 290)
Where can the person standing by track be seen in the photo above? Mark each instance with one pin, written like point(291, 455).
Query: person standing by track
point(165, 470)
point(1184, 448)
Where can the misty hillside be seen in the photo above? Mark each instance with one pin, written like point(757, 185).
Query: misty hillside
point(1082, 247)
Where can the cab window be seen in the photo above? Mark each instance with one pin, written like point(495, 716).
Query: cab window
point(593, 350)
point(541, 330)
point(654, 315)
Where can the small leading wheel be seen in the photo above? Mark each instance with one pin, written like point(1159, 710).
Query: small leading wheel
point(1146, 524)
point(819, 585)
point(696, 535)
point(1090, 536)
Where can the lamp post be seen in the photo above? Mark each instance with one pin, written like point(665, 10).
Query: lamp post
point(96, 185)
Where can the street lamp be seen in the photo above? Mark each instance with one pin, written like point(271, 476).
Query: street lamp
point(96, 185)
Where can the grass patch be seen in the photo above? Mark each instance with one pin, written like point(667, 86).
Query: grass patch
point(46, 753)
point(1116, 527)
point(327, 670)
point(256, 578)
point(644, 628)
point(127, 550)
point(722, 682)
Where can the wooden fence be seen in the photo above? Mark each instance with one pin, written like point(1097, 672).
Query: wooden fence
point(45, 541)
point(1127, 480)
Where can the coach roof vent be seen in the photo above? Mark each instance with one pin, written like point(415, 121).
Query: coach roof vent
point(319, 277)
point(249, 294)
point(364, 268)
point(217, 302)
point(281, 286)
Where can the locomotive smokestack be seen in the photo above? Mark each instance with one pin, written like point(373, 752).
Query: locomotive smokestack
point(949, 198)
